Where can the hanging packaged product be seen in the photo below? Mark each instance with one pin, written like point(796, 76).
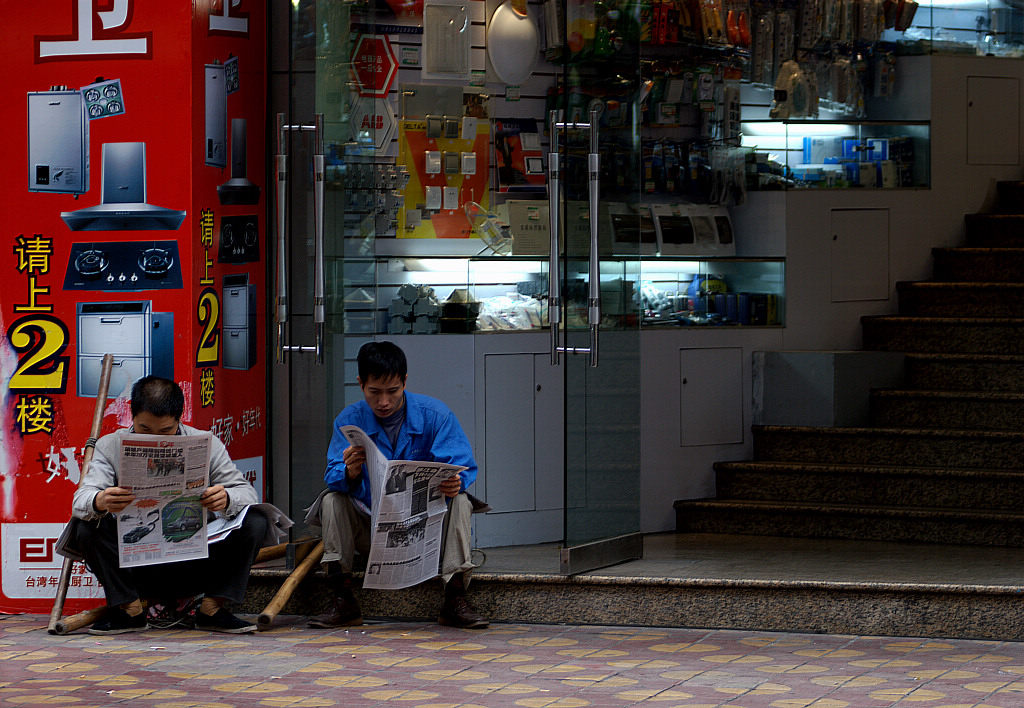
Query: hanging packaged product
point(885, 74)
point(872, 21)
point(712, 22)
point(706, 89)
point(829, 19)
point(737, 23)
point(809, 30)
point(761, 65)
point(905, 14)
point(785, 37)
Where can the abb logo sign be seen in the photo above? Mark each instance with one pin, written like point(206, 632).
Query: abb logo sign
point(36, 549)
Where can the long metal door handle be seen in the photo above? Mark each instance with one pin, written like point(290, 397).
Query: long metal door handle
point(283, 345)
point(318, 246)
point(554, 224)
point(281, 179)
point(594, 306)
point(594, 291)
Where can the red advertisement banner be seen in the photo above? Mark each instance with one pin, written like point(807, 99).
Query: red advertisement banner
point(132, 225)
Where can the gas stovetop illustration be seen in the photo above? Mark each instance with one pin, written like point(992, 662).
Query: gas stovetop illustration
point(123, 266)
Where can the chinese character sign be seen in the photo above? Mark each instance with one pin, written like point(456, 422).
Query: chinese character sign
point(132, 225)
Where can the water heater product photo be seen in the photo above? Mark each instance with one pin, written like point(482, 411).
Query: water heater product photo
point(216, 116)
point(58, 142)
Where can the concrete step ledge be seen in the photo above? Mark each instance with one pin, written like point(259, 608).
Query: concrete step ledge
point(966, 372)
point(843, 521)
point(975, 410)
point(995, 449)
point(881, 609)
point(880, 485)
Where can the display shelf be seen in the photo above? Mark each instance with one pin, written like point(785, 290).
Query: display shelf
point(396, 294)
point(840, 153)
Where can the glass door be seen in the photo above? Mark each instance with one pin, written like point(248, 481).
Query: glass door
point(316, 159)
point(593, 185)
point(346, 79)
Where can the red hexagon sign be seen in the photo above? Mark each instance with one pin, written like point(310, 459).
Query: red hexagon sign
point(374, 65)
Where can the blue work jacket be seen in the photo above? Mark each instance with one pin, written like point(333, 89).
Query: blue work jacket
point(430, 433)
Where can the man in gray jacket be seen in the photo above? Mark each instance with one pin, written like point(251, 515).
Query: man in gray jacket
point(157, 405)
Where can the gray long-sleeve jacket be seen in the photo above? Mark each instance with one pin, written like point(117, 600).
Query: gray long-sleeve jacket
point(102, 473)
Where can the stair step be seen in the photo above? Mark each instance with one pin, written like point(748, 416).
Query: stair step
point(720, 580)
point(872, 485)
point(966, 299)
point(890, 446)
point(964, 335)
point(1001, 265)
point(965, 372)
point(963, 410)
point(925, 525)
point(996, 230)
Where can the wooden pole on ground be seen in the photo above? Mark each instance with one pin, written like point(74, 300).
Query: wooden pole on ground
point(266, 618)
point(90, 445)
point(67, 625)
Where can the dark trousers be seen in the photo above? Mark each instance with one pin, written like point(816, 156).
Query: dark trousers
point(224, 574)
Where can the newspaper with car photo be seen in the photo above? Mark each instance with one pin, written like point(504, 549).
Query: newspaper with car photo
point(407, 516)
point(166, 521)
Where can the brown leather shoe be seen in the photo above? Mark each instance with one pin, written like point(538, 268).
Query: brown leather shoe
point(457, 612)
point(346, 613)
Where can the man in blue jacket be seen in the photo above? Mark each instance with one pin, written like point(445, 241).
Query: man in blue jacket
point(404, 426)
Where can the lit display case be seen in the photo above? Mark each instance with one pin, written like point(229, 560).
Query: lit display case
point(484, 294)
point(839, 153)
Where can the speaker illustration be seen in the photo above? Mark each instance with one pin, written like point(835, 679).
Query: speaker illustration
point(239, 239)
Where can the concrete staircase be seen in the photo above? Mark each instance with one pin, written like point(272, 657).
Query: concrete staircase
point(935, 467)
point(940, 460)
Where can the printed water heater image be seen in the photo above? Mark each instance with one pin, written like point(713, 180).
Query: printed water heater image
point(140, 340)
point(58, 142)
point(123, 206)
point(216, 116)
point(238, 189)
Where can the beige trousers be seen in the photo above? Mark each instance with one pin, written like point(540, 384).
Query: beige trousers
point(346, 529)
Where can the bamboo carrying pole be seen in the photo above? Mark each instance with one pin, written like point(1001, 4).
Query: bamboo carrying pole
point(55, 625)
point(269, 553)
point(266, 617)
point(67, 625)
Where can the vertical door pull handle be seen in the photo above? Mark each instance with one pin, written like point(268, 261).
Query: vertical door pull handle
point(281, 179)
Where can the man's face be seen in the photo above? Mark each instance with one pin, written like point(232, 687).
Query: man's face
point(149, 424)
point(384, 396)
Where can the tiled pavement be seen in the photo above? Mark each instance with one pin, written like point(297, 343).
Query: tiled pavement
point(423, 665)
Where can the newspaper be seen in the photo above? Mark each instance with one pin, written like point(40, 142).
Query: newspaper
point(166, 521)
point(407, 516)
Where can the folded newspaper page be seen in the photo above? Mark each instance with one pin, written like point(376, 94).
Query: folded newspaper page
point(166, 522)
point(407, 516)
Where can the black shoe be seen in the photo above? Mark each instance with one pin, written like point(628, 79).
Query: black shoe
point(457, 612)
point(346, 613)
point(223, 621)
point(169, 614)
point(117, 621)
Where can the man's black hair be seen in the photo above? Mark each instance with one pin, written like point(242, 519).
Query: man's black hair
point(158, 396)
point(382, 360)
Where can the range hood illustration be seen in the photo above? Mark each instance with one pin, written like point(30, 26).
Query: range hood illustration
point(124, 206)
point(238, 189)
